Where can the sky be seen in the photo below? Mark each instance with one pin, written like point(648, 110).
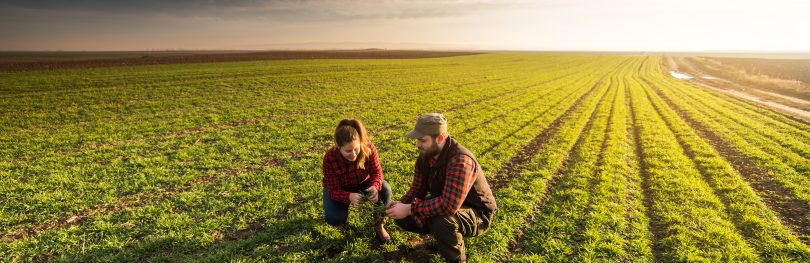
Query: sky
point(575, 25)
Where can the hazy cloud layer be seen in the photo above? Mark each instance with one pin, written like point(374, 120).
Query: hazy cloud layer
point(318, 10)
point(627, 25)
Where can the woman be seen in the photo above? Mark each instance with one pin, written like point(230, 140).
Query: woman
point(351, 168)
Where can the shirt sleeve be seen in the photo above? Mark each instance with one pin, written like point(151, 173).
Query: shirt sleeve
point(457, 184)
point(330, 180)
point(374, 168)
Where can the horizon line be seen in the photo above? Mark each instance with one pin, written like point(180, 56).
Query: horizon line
point(406, 49)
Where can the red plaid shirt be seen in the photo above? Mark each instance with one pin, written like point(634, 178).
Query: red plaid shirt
point(458, 181)
point(342, 177)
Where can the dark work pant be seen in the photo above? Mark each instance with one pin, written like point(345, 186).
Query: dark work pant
point(336, 213)
point(448, 231)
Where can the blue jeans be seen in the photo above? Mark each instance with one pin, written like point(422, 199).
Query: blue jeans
point(336, 213)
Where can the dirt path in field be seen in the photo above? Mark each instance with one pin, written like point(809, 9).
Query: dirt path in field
point(788, 98)
point(715, 81)
point(698, 80)
point(154, 58)
point(802, 114)
point(792, 212)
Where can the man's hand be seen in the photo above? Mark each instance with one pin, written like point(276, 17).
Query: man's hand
point(355, 199)
point(398, 210)
point(372, 194)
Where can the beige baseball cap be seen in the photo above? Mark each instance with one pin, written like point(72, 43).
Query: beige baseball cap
point(428, 124)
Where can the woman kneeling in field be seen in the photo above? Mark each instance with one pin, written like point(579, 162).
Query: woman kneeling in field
point(350, 168)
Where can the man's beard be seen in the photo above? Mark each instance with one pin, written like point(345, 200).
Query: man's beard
point(430, 152)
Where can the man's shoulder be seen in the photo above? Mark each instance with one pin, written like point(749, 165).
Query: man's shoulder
point(463, 156)
point(461, 152)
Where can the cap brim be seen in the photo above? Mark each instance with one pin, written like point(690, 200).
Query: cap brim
point(414, 134)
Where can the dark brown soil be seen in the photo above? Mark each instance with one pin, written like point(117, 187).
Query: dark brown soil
point(419, 250)
point(18, 63)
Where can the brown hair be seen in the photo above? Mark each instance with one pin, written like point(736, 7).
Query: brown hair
point(349, 130)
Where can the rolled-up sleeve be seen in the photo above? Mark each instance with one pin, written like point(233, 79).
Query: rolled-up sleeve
point(458, 181)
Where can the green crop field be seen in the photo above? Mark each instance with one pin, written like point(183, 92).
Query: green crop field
point(591, 158)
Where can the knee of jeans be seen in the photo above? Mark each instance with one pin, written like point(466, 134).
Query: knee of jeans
point(385, 194)
point(334, 220)
point(386, 187)
point(444, 223)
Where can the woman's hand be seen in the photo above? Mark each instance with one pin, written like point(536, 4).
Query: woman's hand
point(355, 199)
point(372, 194)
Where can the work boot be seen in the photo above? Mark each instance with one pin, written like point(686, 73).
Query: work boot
point(382, 235)
point(343, 228)
point(429, 244)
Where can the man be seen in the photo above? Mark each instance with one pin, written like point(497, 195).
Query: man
point(449, 197)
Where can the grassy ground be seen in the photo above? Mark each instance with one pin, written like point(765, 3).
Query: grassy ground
point(591, 157)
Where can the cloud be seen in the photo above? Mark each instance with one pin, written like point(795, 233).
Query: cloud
point(94, 24)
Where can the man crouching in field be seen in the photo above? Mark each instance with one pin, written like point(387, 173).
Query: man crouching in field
point(450, 197)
